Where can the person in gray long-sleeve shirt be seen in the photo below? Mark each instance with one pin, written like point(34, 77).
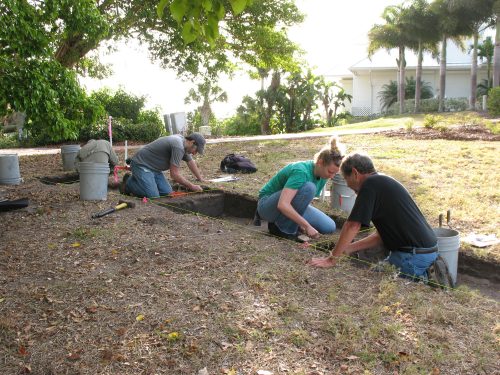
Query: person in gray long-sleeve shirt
point(165, 153)
point(97, 151)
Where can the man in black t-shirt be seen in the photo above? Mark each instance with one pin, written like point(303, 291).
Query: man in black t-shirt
point(401, 227)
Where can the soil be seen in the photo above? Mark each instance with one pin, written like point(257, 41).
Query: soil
point(154, 290)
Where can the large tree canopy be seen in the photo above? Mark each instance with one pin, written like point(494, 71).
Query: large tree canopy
point(256, 33)
point(43, 44)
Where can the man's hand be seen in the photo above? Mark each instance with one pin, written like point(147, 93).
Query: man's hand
point(323, 262)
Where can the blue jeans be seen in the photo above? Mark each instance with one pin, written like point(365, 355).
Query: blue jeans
point(145, 182)
point(412, 265)
point(268, 210)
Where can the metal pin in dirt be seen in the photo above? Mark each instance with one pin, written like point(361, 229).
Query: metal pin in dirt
point(441, 216)
point(448, 217)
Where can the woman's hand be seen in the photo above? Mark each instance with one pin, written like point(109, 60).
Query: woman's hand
point(327, 262)
point(311, 232)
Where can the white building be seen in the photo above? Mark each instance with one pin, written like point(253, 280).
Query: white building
point(369, 75)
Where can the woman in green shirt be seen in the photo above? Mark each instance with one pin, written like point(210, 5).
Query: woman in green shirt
point(285, 201)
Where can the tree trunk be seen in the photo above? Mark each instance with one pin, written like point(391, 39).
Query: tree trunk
point(205, 112)
point(402, 65)
point(473, 73)
point(289, 125)
point(326, 106)
point(418, 79)
point(270, 100)
point(496, 51)
point(71, 51)
point(442, 75)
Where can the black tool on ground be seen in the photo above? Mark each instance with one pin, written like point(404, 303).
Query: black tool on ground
point(7, 205)
point(121, 205)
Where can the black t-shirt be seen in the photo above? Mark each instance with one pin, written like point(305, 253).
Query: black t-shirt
point(398, 220)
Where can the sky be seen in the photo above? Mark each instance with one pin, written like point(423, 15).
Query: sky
point(334, 36)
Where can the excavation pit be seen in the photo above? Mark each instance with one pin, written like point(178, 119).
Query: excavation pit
point(214, 203)
point(66, 178)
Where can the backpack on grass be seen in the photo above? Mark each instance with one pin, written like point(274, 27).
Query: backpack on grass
point(233, 163)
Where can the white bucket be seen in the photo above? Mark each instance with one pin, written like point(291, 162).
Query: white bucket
point(448, 246)
point(68, 153)
point(9, 170)
point(342, 196)
point(93, 181)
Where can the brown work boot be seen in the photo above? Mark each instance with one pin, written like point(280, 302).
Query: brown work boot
point(123, 184)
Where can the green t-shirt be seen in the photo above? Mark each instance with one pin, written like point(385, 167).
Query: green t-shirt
point(293, 176)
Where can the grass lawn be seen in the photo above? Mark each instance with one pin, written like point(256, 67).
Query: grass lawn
point(383, 122)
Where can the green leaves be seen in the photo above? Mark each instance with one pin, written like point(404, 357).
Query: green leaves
point(188, 32)
point(161, 7)
point(178, 8)
point(199, 19)
point(238, 5)
point(207, 5)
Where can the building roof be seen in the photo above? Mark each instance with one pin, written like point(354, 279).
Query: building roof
point(382, 60)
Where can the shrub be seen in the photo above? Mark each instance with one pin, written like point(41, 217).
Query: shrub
point(120, 104)
point(145, 132)
point(441, 127)
point(217, 128)
point(149, 127)
point(124, 129)
point(428, 105)
point(8, 140)
point(409, 124)
point(430, 121)
point(152, 117)
point(456, 104)
point(241, 125)
point(493, 126)
point(494, 101)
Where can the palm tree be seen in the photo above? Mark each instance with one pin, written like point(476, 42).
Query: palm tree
point(333, 97)
point(485, 51)
point(482, 88)
point(473, 14)
point(388, 94)
point(421, 24)
point(206, 93)
point(391, 35)
point(452, 24)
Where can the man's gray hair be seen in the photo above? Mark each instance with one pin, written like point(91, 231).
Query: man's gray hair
point(358, 160)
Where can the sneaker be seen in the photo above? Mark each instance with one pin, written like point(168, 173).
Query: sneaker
point(123, 184)
point(275, 231)
point(256, 219)
point(438, 274)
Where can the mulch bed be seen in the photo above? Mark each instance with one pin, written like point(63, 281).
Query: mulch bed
point(453, 133)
